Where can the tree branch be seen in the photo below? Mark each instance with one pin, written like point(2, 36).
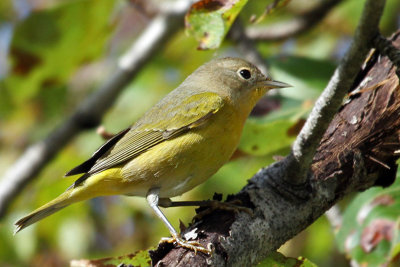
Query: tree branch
point(328, 103)
point(89, 113)
point(294, 27)
point(341, 165)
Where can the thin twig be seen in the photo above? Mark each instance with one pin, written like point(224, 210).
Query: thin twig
point(331, 99)
point(89, 113)
point(294, 27)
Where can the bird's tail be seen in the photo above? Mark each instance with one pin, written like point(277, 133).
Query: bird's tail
point(53, 206)
point(105, 183)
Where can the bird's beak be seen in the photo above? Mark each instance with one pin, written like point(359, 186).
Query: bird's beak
point(270, 84)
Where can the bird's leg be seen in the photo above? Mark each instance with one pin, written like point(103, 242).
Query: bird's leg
point(211, 204)
point(153, 200)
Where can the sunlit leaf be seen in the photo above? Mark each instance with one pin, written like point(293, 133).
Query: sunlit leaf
point(209, 20)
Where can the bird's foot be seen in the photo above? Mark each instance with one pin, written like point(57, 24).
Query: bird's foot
point(192, 245)
point(213, 205)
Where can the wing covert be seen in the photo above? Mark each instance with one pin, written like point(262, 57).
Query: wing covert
point(164, 121)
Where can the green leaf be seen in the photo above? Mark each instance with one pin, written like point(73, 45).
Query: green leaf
point(274, 132)
point(370, 228)
point(209, 20)
point(264, 138)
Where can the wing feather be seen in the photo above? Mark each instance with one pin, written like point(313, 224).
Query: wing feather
point(168, 119)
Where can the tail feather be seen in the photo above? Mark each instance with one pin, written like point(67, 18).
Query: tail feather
point(105, 183)
point(46, 210)
point(35, 216)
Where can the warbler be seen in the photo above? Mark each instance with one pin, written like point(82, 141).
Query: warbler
point(178, 144)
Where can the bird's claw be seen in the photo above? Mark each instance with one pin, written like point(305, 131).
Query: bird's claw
point(192, 245)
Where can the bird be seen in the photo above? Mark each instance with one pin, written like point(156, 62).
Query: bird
point(176, 145)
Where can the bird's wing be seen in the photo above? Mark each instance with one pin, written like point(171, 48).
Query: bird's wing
point(165, 121)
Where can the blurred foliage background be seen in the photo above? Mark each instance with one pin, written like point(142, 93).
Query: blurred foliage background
point(55, 53)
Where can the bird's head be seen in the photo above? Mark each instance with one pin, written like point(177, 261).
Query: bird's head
point(238, 80)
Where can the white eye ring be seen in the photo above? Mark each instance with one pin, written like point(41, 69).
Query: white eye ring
point(244, 74)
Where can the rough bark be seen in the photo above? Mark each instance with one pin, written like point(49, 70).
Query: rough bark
point(357, 151)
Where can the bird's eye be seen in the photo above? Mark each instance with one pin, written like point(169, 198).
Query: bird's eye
point(245, 74)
